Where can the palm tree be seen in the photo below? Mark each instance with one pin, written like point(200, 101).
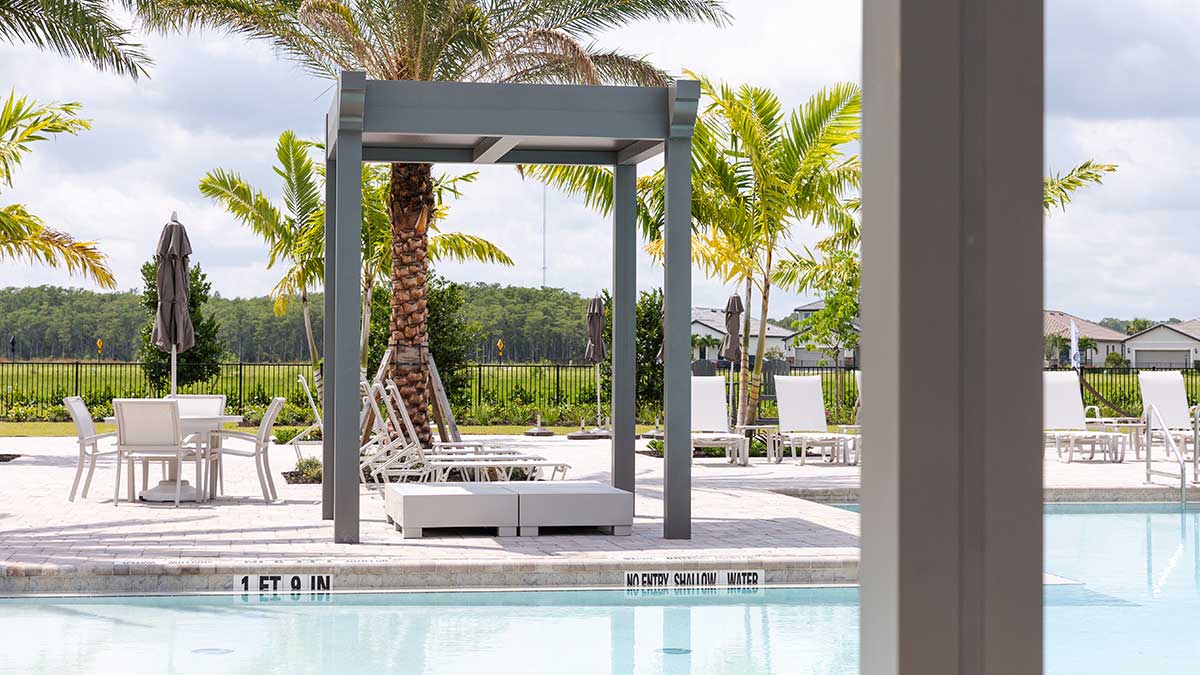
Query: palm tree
point(455, 40)
point(22, 234)
point(82, 29)
point(286, 231)
point(757, 172)
point(299, 235)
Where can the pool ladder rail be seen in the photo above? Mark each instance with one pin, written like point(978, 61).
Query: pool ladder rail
point(1154, 419)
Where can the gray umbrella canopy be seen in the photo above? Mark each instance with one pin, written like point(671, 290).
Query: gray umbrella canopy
point(595, 331)
point(172, 321)
point(731, 344)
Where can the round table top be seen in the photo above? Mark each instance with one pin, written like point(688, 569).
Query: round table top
point(197, 419)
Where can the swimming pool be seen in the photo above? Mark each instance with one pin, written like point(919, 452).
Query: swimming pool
point(1130, 587)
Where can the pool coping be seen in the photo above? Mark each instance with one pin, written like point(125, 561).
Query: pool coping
point(1156, 493)
point(207, 575)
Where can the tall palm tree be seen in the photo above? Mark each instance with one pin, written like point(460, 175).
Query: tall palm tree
point(83, 29)
point(836, 264)
point(22, 234)
point(285, 229)
point(298, 236)
point(757, 172)
point(456, 40)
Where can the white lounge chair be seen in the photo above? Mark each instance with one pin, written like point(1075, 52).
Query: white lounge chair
point(89, 442)
point(802, 422)
point(149, 430)
point(398, 454)
point(1165, 391)
point(1064, 420)
point(317, 426)
point(710, 419)
point(260, 450)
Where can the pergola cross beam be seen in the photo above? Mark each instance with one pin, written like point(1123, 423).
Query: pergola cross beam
point(472, 123)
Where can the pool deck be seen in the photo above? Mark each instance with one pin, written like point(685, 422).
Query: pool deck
point(744, 518)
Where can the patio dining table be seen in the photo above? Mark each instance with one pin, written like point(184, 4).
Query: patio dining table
point(202, 425)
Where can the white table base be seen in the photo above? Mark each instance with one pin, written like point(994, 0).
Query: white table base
point(165, 492)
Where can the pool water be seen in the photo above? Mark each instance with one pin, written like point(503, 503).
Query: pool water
point(1134, 592)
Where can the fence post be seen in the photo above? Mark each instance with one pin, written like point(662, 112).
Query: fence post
point(478, 384)
point(77, 377)
point(557, 379)
point(241, 389)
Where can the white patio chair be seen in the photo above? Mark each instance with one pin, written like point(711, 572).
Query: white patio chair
point(802, 421)
point(89, 442)
point(397, 412)
point(149, 430)
point(260, 448)
point(710, 419)
point(1064, 420)
point(1165, 390)
point(317, 425)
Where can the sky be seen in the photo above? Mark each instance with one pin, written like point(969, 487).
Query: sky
point(1121, 87)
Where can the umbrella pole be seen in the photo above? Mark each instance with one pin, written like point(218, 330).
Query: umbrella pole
point(599, 423)
point(174, 376)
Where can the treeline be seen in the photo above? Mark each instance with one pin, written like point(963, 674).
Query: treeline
point(50, 322)
point(536, 324)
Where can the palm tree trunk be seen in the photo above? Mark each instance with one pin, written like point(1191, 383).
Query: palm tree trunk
point(760, 346)
point(313, 357)
point(744, 371)
point(410, 206)
point(364, 337)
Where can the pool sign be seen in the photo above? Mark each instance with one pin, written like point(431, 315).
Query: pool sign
point(695, 579)
point(285, 583)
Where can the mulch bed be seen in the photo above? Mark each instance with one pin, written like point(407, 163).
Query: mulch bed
point(298, 478)
point(7, 458)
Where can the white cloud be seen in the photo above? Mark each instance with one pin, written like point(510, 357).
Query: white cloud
point(1117, 90)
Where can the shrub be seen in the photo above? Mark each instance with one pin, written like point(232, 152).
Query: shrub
point(1115, 360)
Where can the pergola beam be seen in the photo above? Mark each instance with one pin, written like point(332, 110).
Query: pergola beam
point(639, 151)
point(388, 153)
point(492, 148)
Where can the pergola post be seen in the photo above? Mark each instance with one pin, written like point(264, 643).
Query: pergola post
point(677, 307)
point(344, 381)
point(952, 276)
point(328, 405)
point(624, 326)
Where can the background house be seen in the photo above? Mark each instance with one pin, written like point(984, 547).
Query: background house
point(805, 357)
point(1165, 345)
point(1107, 340)
point(708, 322)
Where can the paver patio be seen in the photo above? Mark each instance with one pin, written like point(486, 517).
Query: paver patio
point(742, 520)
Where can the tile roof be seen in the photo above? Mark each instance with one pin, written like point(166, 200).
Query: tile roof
point(715, 319)
point(1059, 323)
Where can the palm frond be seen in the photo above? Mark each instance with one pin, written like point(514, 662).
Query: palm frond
point(81, 29)
point(24, 236)
point(24, 121)
point(462, 247)
point(1058, 188)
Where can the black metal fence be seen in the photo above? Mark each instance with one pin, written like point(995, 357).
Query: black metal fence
point(32, 390)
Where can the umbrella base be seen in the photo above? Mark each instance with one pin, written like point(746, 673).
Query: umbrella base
point(590, 435)
point(165, 492)
point(539, 431)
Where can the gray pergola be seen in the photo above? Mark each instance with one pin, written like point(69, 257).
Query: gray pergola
point(452, 122)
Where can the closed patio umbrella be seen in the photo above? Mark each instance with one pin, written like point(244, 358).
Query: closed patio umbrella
point(731, 344)
point(595, 353)
point(173, 330)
